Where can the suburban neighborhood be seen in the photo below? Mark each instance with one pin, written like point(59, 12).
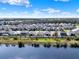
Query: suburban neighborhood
point(38, 29)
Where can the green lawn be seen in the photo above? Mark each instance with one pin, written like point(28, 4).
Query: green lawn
point(45, 40)
point(34, 40)
point(49, 40)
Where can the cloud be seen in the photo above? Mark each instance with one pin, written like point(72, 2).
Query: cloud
point(25, 3)
point(62, 0)
point(51, 10)
point(77, 10)
point(40, 13)
point(65, 13)
point(37, 12)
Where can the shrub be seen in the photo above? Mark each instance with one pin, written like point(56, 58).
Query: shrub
point(15, 38)
point(77, 39)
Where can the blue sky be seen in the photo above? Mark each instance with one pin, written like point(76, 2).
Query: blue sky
point(39, 8)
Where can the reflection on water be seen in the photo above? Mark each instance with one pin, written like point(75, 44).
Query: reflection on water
point(36, 51)
point(20, 45)
point(45, 45)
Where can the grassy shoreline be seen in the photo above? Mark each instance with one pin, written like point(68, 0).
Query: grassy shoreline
point(37, 40)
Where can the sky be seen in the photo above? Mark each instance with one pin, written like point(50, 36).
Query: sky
point(39, 8)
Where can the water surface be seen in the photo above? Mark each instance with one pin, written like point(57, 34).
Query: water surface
point(29, 52)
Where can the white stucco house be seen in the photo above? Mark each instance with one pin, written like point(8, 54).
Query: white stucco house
point(75, 31)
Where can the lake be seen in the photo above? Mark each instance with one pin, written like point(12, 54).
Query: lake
point(30, 52)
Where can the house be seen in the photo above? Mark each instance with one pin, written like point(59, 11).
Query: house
point(47, 34)
point(14, 32)
point(75, 32)
point(62, 34)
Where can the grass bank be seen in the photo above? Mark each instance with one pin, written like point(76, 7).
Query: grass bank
point(37, 40)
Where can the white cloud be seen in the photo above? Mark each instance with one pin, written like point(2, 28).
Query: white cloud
point(32, 15)
point(65, 13)
point(62, 0)
point(77, 10)
point(43, 13)
point(17, 2)
point(51, 10)
point(37, 12)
